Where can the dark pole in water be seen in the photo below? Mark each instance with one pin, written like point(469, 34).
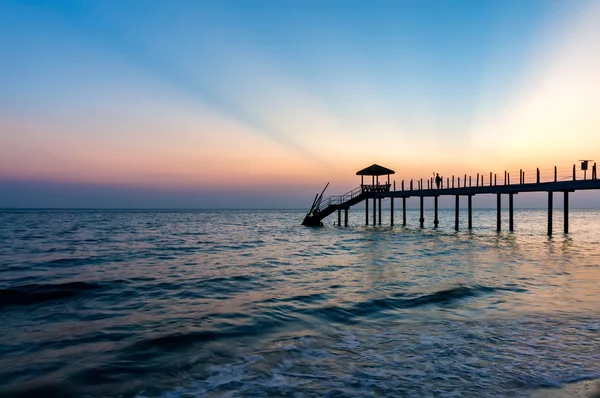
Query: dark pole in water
point(456, 213)
point(346, 217)
point(392, 212)
point(510, 212)
point(366, 211)
point(374, 211)
point(566, 210)
point(550, 213)
point(470, 206)
point(422, 219)
point(379, 205)
point(404, 211)
point(339, 216)
point(498, 212)
point(435, 219)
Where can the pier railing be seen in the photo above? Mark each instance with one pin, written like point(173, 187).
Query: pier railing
point(339, 199)
point(512, 177)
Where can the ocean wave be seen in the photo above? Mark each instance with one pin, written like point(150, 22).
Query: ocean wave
point(403, 300)
point(40, 293)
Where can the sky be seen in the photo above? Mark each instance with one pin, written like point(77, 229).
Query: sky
point(258, 104)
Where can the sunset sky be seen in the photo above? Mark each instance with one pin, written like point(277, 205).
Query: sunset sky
point(131, 103)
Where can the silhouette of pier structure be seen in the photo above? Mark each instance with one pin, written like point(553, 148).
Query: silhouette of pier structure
point(549, 181)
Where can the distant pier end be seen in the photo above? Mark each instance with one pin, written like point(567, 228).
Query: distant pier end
point(549, 181)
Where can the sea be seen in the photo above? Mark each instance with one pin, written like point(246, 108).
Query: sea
point(239, 303)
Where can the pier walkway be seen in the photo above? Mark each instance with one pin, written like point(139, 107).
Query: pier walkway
point(549, 181)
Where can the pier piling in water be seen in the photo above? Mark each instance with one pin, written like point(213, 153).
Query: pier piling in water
point(456, 204)
point(470, 211)
point(498, 212)
point(566, 212)
point(421, 219)
point(510, 212)
point(435, 219)
point(549, 213)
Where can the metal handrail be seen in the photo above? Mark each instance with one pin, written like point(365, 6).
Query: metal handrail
point(340, 199)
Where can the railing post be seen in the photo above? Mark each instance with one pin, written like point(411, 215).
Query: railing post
point(469, 181)
point(574, 173)
point(466, 181)
point(555, 174)
point(490, 178)
point(520, 176)
point(538, 175)
point(402, 185)
point(495, 179)
point(477, 180)
point(504, 177)
point(508, 175)
point(421, 183)
point(459, 183)
point(594, 176)
point(411, 184)
point(447, 182)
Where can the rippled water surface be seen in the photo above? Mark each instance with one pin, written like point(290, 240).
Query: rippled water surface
point(249, 303)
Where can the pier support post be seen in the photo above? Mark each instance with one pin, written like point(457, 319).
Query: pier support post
point(392, 211)
point(379, 204)
point(435, 219)
point(374, 211)
point(367, 211)
point(566, 210)
point(456, 212)
point(346, 217)
point(421, 219)
point(550, 213)
point(498, 212)
point(510, 212)
point(339, 216)
point(470, 211)
point(403, 211)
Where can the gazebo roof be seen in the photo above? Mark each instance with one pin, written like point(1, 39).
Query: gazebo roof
point(375, 170)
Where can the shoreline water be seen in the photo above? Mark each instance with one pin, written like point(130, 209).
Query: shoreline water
point(579, 389)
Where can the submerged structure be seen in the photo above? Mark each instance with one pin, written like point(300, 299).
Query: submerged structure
point(549, 181)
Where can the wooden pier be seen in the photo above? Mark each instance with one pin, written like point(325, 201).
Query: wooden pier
point(549, 181)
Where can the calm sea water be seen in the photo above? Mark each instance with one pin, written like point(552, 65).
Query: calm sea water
point(250, 303)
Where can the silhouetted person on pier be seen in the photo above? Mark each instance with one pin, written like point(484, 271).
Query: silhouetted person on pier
point(438, 180)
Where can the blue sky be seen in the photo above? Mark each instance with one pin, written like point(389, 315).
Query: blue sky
point(197, 95)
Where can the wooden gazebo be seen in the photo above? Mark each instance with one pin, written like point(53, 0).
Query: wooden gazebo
point(375, 171)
